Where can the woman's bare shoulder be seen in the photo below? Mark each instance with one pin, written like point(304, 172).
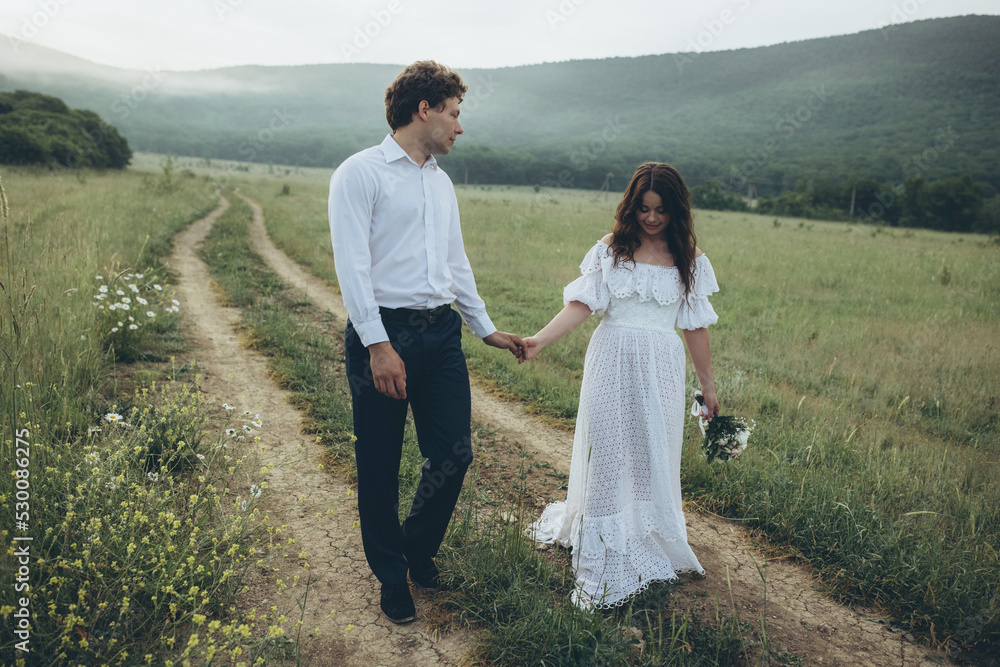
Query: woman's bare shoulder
point(698, 252)
point(607, 239)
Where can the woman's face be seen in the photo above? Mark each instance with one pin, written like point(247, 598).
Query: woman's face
point(651, 215)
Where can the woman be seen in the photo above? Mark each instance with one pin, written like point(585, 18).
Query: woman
point(623, 516)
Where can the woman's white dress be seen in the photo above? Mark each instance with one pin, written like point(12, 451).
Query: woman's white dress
point(623, 516)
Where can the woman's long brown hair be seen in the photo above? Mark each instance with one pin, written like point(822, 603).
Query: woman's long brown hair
point(665, 181)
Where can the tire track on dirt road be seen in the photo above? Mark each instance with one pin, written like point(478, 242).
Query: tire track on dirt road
point(297, 491)
point(800, 618)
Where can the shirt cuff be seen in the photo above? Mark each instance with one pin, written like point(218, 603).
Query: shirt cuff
point(481, 325)
point(371, 332)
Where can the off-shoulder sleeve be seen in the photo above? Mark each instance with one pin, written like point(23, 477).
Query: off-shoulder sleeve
point(695, 311)
point(590, 288)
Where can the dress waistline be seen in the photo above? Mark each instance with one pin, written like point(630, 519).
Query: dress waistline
point(644, 326)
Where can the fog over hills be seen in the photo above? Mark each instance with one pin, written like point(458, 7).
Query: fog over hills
point(864, 105)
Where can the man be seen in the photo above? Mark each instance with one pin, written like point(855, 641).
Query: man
point(400, 263)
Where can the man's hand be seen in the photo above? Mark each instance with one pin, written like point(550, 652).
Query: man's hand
point(388, 370)
point(506, 341)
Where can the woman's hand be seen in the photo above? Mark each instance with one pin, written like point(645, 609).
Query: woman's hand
point(532, 346)
point(711, 404)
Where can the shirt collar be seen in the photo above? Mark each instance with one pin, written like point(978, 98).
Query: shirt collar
point(393, 151)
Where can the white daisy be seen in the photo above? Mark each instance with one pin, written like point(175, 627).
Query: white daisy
point(119, 292)
point(141, 300)
point(175, 302)
point(150, 313)
point(153, 476)
point(157, 288)
point(134, 288)
point(125, 299)
point(102, 289)
point(255, 491)
point(93, 457)
point(113, 418)
point(133, 327)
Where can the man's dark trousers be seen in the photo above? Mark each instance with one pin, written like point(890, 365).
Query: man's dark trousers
point(437, 391)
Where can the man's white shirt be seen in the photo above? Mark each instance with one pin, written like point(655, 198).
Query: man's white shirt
point(397, 240)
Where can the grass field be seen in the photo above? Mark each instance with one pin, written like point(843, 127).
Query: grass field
point(142, 525)
point(867, 355)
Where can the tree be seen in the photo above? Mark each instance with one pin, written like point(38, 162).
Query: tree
point(17, 147)
point(713, 196)
point(40, 129)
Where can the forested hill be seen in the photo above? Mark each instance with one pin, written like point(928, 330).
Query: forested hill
point(915, 98)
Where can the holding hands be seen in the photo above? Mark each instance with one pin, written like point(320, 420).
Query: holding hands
point(506, 341)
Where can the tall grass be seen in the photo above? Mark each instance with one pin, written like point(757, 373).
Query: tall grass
point(867, 355)
point(140, 531)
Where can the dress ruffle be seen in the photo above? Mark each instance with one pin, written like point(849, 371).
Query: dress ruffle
point(600, 280)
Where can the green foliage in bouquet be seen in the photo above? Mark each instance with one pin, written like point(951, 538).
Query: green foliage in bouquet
point(726, 437)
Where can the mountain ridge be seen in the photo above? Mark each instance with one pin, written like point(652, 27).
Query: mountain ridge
point(886, 94)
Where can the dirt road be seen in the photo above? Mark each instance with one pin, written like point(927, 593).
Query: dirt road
point(297, 491)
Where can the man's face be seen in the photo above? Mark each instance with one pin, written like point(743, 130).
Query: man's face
point(443, 126)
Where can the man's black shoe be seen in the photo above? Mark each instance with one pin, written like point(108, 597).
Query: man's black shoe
point(397, 605)
point(424, 574)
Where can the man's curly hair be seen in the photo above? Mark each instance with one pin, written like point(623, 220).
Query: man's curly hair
point(423, 80)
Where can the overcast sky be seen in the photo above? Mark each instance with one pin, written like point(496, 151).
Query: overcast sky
point(203, 34)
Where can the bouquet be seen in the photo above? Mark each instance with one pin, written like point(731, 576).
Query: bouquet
point(725, 437)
